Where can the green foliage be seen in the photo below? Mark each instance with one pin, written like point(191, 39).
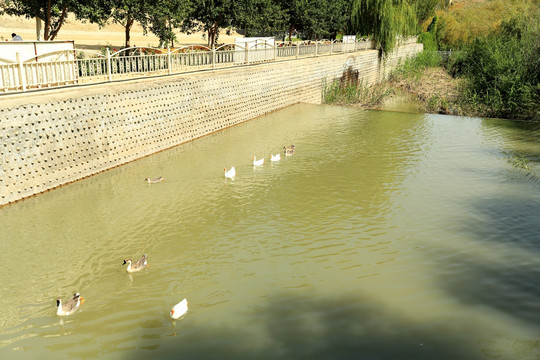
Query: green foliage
point(428, 39)
point(354, 93)
point(519, 161)
point(413, 67)
point(461, 24)
point(260, 18)
point(210, 16)
point(385, 20)
point(325, 18)
point(54, 12)
point(503, 70)
point(164, 19)
point(425, 9)
point(315, 19)
point(432, 27)
point(126, 12)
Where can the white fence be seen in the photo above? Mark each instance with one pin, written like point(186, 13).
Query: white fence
point(90, 66)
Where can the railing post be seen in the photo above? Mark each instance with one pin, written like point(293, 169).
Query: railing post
point(109, 73)
point(316, 48)
point(22, 74)
point(331, 46)
point(169, 62)
point(275, 51)
point(297, 49)
point(213, 56)
point(247, 52)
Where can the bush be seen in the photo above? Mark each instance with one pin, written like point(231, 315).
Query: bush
point(503, 70)
point(429, 41)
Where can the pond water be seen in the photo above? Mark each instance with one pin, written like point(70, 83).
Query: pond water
point(387, 235)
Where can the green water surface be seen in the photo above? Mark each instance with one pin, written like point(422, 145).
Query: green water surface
point(386, 235)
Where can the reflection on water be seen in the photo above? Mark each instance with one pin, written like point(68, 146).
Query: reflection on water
point(386, 234)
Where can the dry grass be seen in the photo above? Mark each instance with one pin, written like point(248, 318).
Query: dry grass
point(435, 89)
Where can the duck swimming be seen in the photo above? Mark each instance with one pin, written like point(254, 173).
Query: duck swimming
point(153, 181)
point(276, 157)
point(70, 306)
point(179, 309)
point(257, 162)
point(139, 265)
point(289, 150)
point(230, 173)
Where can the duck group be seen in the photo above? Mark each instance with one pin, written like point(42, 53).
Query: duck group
point(73, 304)
point(288, 150)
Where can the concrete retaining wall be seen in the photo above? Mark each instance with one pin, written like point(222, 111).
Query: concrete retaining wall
point(54, 137)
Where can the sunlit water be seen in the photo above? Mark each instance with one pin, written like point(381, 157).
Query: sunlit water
point(385, 236)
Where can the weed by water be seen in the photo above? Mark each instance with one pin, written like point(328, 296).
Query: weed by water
point(352, 93)
point(519, 161)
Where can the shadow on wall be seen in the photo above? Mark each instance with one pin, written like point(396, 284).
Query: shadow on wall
point(510, 280)
point(307, 328)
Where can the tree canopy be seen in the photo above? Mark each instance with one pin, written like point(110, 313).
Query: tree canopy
point(53, 12)
point(384, 20)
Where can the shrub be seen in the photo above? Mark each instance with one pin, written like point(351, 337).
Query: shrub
point(503, 70)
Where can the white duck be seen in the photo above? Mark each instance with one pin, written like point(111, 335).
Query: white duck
point(139, 265)
point(276, 157)
point(230, 173)
point(179, 309)
point(70, 306)
point(257, 162)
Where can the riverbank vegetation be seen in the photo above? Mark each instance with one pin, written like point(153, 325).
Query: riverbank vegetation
point(480, 58)
point(495, 64)
point(355, 92)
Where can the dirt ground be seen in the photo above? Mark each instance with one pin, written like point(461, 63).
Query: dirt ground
point(435, 89)
point(88, 35)
point(433, 82)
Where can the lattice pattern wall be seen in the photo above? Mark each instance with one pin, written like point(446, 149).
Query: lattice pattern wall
point(52, 138)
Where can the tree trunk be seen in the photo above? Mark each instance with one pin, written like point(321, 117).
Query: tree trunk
point(212, 34)
point(39, 28)
point(47, 20)
point(129, 23)
point(58, 25)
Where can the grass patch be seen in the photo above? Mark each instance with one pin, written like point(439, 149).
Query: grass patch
point(357, 94)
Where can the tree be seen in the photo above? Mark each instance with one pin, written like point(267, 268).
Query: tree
point(325, 18)
point(54, 12)
point(425, 9)
point(260, 17)
point(295, 11)
point(126, 12)
point(384, 20)
point(163, 19)
point(210, 16)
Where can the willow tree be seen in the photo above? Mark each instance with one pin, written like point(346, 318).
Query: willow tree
point(384, 20)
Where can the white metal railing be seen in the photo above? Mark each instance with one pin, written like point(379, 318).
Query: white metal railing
point(85, 66)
